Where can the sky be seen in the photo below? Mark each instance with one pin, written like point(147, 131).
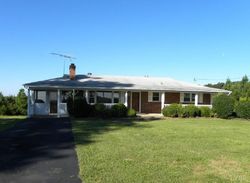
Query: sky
point(208, 40)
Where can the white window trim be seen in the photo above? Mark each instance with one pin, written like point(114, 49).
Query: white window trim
point(150, 96)
point(91, 97)
point(190, 98)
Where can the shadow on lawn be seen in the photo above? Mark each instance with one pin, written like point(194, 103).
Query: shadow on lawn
point(36, 141)
point(9, 122)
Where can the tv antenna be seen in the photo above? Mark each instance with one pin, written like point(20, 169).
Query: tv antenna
point(70, 58)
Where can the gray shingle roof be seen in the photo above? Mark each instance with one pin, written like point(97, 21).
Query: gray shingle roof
point(121, 83)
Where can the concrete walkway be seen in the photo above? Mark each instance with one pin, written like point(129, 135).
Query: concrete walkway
point(38, 150)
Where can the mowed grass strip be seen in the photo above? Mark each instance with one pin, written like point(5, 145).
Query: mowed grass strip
point(171, 150)
point(9, 121)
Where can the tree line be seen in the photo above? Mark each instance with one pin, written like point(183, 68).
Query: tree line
point(13, 105)
point(240, 89)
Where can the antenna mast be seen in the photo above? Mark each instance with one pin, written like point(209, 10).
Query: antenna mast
point(70, 58)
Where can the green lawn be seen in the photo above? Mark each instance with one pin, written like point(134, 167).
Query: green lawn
point(171, 150)
point(8, 121)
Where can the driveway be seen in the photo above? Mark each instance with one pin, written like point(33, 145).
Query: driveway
point(38, 150)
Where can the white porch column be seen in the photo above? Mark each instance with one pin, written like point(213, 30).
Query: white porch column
point(211, 98)
point(162, 100)
point(126, 99)
point(29, 102)
point(87, 96)
point(58, 102)
point(32, 102)
point(196, 99)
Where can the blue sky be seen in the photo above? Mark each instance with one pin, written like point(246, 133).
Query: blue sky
point(202, 39)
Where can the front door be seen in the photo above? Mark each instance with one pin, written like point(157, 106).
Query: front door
point(53, 102)
point(135, 100)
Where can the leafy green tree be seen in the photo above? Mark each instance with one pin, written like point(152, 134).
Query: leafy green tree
point(2, 104)
point(21, 102)
point(223, 105)
point(244, 80)
point(10, 104)
point(228, 84)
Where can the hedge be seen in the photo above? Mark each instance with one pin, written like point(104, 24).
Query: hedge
point(173, 110)
point(205, 111)
point(119, 110)
point(223, 106)
point(131, 113)
point(190, 111)
point(80, 108)
point(242, 109)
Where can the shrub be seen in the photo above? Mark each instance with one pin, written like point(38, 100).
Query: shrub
point(190, 111)
point(100, 110)
point(242, 109)
point(223, 106)
point(81, 108)
point(131, 113)
point(70, 106)
point(107, 113)
point(205, 111)
point(173, 110)
point(119, 110)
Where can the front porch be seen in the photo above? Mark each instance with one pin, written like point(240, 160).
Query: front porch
point(54, 102)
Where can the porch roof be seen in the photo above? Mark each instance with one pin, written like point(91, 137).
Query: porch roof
point(120, 83)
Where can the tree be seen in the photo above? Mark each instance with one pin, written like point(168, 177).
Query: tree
point(2, 104)
point(21, 102)
point(244, 80)
point(10, 104)
point(223, 105)
point(228, 84)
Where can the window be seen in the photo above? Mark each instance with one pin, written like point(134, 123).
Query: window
point(40, 97)
point(193, 97)
point(189, 97)
point(116, 96)
point(104, 97)
point(91, 97)
point(156, 97)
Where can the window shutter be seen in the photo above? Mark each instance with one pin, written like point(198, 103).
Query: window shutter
point(182, 97)
point(200, 98)
point(150, 96)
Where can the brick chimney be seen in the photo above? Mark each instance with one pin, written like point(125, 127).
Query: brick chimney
point(72, 71)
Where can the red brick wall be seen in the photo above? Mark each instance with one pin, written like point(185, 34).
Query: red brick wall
point(149, 107)
point(206, 98)
point(171, 98)
point(135, 101)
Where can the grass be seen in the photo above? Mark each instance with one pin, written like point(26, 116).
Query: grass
point(171, 150)
point(8, 121)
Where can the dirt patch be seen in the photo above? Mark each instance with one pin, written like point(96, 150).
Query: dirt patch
point(227, 169)
point(199, 170)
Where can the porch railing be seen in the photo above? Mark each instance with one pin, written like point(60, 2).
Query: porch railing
point(199, 105)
